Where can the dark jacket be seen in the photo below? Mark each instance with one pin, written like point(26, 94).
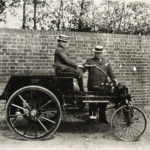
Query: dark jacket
point(61, 59)
point(97, 77)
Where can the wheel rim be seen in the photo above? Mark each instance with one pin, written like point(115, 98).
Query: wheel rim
point(128, 123)
point(33, 112)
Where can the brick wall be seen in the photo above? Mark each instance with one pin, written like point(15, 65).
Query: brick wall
point(31, 52)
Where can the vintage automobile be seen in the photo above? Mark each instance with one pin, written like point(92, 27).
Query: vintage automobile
point(35, 105)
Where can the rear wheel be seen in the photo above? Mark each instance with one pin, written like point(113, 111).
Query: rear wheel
point(128, 123)
point(33, 112)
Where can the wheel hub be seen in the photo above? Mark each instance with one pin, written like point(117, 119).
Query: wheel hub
point(33, 113)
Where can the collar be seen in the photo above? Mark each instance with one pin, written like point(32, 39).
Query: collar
point(98, 59)
point(59, 45)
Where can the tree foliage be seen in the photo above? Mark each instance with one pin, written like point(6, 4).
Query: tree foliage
point(2, 10)
point(81, 15)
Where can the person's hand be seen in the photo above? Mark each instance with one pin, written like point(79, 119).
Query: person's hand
point(88, 65)
point(80, 66)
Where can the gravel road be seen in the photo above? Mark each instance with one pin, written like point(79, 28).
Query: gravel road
point(75, 133)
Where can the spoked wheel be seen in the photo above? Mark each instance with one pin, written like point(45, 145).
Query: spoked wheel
point(128, 123)
point(33, 112)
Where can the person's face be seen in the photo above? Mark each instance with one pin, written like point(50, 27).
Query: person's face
point(98, 54)
point(65, 44)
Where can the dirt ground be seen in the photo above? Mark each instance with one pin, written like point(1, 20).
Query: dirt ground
point(75, 133)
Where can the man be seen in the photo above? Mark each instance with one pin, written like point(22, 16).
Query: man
point(98, 76)
point(64, 65)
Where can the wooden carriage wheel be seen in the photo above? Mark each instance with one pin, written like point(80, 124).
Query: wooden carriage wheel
point(33, 112)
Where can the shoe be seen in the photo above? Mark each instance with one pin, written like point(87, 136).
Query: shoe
point(93, 117)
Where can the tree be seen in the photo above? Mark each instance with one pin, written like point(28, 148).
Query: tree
point(6, 5)
point(79, 11)
point(24, 14)
point(40, 11)
point(80, 15)
point(120, 17)
point(2, 9)
point(2, 6)
point(59, 12)
point(137, 19)
point(35, 2)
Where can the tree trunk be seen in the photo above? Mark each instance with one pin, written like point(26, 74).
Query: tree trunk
point(2, 6)
point(80, 23)
point(24, 15)
point(34, 18)
point(60, 17)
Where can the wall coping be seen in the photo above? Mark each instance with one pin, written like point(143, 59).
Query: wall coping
point(54, 32)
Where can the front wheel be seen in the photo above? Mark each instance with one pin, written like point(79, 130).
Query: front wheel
point(33, 112)
point(128, 123)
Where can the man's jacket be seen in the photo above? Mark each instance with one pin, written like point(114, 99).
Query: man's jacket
point(61, 59)
point(97, 77)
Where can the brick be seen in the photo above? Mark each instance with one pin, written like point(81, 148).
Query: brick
point(32, 52)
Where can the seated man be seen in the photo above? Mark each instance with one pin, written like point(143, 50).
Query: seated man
point(97, 78)
point(64, 65)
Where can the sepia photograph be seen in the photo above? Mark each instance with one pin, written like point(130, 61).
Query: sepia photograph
point(75, 74)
